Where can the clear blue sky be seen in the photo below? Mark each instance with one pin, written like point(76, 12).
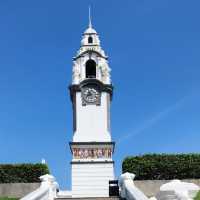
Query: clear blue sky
point(153, 49)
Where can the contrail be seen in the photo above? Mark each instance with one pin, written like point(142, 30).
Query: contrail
point(154, 119)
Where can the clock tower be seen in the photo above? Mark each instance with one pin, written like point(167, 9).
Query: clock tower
point(91, 94)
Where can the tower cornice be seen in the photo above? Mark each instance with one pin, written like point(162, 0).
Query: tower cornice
point(90, 51)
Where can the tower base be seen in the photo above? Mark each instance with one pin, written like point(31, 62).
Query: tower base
point(91, 179)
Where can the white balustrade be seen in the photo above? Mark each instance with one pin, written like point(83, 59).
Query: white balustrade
point(46, 191)
point(128, 189)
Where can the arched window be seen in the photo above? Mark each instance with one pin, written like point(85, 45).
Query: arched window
point(90, 39)
point(90, 69)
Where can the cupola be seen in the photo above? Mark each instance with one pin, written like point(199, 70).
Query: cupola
point(90, 61)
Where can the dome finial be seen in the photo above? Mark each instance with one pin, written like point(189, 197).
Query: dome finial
point(90, 18)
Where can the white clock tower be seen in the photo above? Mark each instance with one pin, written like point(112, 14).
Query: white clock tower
point(91, 94)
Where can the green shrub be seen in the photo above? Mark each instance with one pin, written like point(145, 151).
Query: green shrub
point(163, 166)
point(22, 173)
point(6, 198)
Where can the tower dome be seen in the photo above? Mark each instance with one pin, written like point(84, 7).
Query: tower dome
point(90, 30)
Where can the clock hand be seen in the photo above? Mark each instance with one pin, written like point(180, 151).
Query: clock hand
point(89, 94)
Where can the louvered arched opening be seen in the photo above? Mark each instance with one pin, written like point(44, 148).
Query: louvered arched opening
point(90, 69)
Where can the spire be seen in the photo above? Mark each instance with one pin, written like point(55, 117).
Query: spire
point(90, 29)
point(90, 19)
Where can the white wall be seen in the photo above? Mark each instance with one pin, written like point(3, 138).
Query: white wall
point(91, 180)
point(92, 121)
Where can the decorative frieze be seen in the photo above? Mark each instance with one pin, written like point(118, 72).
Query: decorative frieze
point(91, 153)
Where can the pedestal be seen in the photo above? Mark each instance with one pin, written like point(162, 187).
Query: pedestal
point(92, 168)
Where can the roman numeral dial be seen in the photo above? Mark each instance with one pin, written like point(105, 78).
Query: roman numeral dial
point(90, 95)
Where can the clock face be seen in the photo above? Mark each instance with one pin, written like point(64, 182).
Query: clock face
point(90, 95)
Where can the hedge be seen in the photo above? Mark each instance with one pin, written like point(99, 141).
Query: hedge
point(163, 166)
point(22, 173)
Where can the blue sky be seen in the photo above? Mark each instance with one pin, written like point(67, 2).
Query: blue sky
point(153, 48)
